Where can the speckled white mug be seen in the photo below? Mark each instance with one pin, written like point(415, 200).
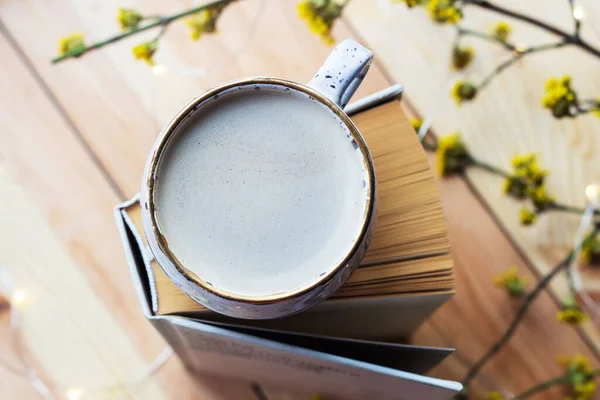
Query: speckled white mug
point(199, 192)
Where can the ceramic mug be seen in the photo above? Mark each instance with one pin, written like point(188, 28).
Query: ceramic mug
point(189, 187)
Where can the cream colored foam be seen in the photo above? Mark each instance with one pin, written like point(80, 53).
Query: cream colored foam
point(261, 191)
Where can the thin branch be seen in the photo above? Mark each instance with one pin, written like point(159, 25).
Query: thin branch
point(531, 296)
point(542, 283)
point(504, 174)
point(160, 22)
point(560, 380)
point(490, 168)
point(160, 34)
point(485, 36)
point(499, 68)
point(566, 208)
point(567, 37)
point(586, 106)
point(518, 54)
point(576, 19)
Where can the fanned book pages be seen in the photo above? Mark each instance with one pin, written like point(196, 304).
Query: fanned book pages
point(407, 271)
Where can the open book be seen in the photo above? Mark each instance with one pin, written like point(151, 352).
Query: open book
point(335, 347)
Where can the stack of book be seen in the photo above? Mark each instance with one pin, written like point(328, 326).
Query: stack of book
point(406, 274)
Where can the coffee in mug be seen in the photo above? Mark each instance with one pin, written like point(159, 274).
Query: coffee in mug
point(259, 196)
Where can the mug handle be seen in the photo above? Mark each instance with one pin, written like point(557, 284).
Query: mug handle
point(343, 71)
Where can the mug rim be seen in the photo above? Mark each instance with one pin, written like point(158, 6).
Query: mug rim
point(163, 142)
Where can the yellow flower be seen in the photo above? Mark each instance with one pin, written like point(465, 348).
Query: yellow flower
point(463, 91)
point(317, 25)
point(462, 56)
point(515, 185)
point(72, 43)
point(584, 390)
point(579, 376)
point(204, 21)
point(590, 250)
point(514, 284)
point(527, 180)
point(320, 15)
point(523, 161)
point(451, 155)
point(494, 396)
point(316, 396)
point(501, 31)
point(416, 123)
point(540, 197)
point(145, 51)
point(527, 217)
point(596, 108)
point(571, 313)
point(560, 98)
point(409, 3)
point(327, 39)
point(527, 167)
point(578, 362)
point(305, 10)
point(129, 18)
point(444, 11)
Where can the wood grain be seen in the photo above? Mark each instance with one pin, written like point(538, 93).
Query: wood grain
point(479, 313)
point(95, 120)
point(118, 105)
point(506, 118)
point(81, 322)
point(75, 137)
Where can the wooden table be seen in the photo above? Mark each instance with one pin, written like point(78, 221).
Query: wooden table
point(74, 139)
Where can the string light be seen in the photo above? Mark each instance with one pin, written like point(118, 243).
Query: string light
point(159, 69)
point(592, 192)
point(520, 48)
point(578, 12)
point(18, 297)
point(74, 393)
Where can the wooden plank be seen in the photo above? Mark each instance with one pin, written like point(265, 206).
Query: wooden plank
point(119, 105)
point(479, 313)
point(123, 124)
point(81, 322)
point(455, 366)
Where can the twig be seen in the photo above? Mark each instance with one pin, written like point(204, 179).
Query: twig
point(160, 22)
point(500, 172)
point(473, 162)
point(490, 38)
point(560, 380)
point(572, 39)
point(519, 54)
point(548, 384)
point(542, 387)
point(542, 283)
point(576, 20)
point(586, 106)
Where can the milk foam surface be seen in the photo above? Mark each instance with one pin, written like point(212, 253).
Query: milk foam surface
point(261, 191)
